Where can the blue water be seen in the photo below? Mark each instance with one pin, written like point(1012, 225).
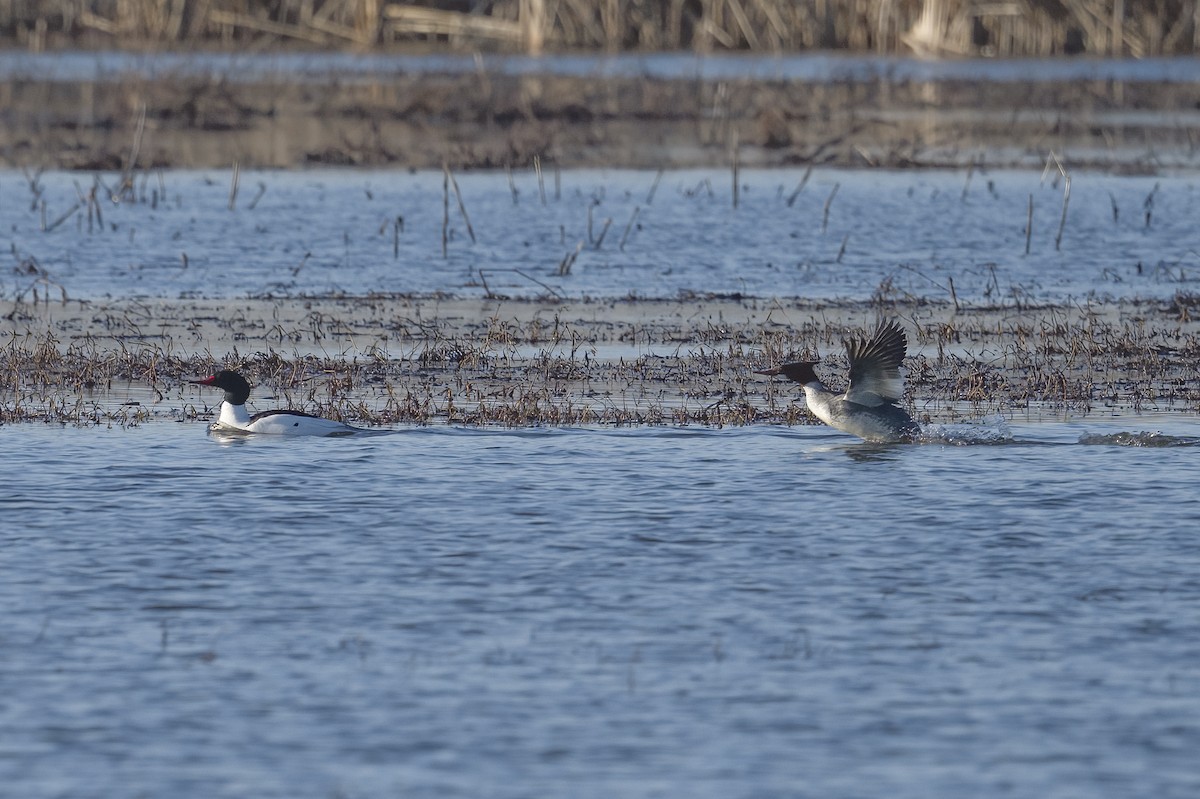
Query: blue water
point(752, 612)
point(848, 234)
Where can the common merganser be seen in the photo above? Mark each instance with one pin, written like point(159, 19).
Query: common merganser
point(235, 419)
point(868, 407)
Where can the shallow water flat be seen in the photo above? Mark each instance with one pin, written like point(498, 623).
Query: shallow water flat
point(746, 612)
point(838, 234)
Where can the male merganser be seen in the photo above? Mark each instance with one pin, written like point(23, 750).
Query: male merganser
point(235, 419)
point(868, 407)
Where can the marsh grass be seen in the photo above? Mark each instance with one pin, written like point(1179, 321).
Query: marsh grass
point(1133, 28)
point(665, 368)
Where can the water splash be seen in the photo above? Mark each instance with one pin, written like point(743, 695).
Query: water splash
point(1139, 439)
point(992, 429)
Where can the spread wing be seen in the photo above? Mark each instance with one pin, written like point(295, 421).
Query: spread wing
point(875, 366)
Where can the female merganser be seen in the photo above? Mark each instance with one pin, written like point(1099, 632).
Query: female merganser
point(868, 408)
point(235, 419)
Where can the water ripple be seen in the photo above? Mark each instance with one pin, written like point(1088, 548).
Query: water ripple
point(539, 612)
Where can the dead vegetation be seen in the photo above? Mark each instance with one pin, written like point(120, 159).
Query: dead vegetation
point(1096, 27)
point(429, 361)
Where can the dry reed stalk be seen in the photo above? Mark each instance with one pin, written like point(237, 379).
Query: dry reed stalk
point(462, 208)
point(135, 149)
point(96, 205)
point(1061, 170)
point(604, 230)
point(564, 266)
point(233, 184)
point(828, 202)
point(733, 168)
point(654, 186)
point(1029, 225)
point(629, 226)
point(512, 187)
point(1062, 222)
point(262, 189)
point(537, 168)
point(445, 212)
point(800, 186)
point(1125, 28)
point(71, 211)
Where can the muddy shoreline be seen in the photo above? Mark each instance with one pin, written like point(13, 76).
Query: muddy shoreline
point(485, 121)
point(436, 360)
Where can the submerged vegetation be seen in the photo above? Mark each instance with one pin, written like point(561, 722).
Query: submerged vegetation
point(618, 363)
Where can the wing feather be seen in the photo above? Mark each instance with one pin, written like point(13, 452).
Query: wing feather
point(875, 366)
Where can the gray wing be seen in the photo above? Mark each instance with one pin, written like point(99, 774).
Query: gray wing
point(875, 366)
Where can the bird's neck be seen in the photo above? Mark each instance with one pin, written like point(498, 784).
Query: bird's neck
point(234, 415)
point(820, 400)
point(815, 389)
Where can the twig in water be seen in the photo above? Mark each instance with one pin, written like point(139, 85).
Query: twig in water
point(654, 186)
point(445, 211)
point(1029, 224)
point(64, 217)
point(512, 187)
point(35, 187)
point(548, 288)
point(603, 231)
point(137, 143)
point(564, 266)
point(800, 187)
point(829, 202)
point(629, 226)
point(1062, 223)
point(233, 186)
point(733, 157)
point(262, 189)
point(397, 227)
point(462, 209)
point(842, 251)
point(537, 168)
point(1052, 159)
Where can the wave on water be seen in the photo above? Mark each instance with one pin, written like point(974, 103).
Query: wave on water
point(1139, 439)
point(988, 430)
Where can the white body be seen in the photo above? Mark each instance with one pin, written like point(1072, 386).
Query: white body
point(884, 423)
point(235, 419)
